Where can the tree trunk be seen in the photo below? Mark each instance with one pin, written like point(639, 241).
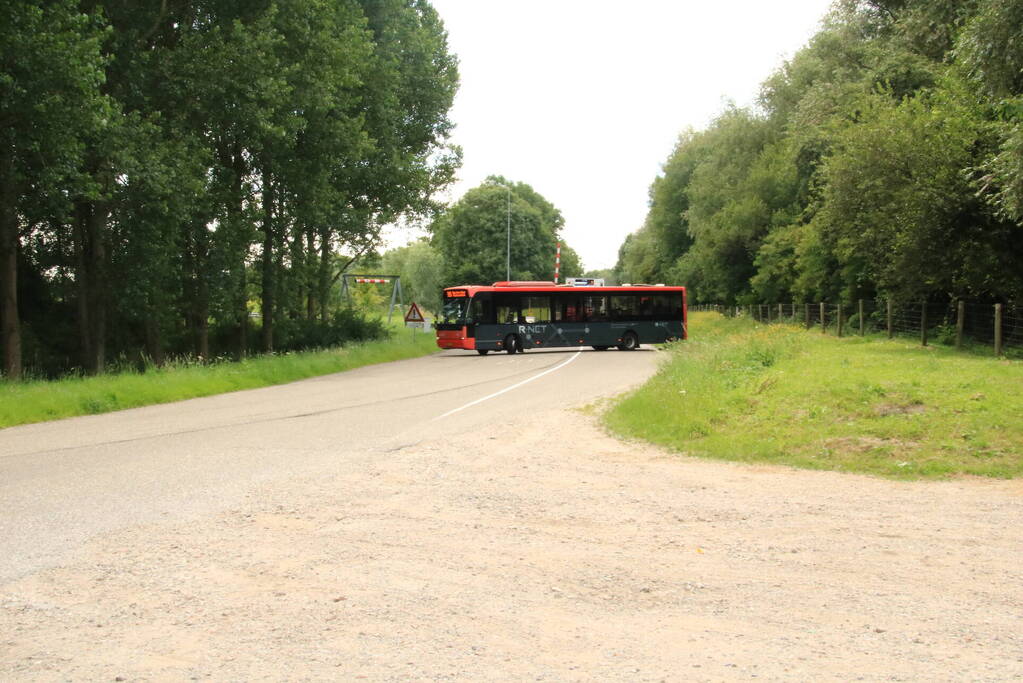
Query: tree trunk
point(202, 314)
point(10, 329)
point(81, 287)
point(154, 341)
point(242, 314)
point(267, 303)
point(90, 220)
point(310, 278)
point(297, 278)
point(197, 293)
point(323, 293)
point(241, 295)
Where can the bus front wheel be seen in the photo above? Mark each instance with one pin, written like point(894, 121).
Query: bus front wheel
point(629, 342)
point(511, 343)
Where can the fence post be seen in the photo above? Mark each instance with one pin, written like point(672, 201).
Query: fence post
point(861, 317)
point(781, 314)
point(891, 331)
point(960, 322)
point(807, 311)
point(923, 324)
point(824, 327)
point(839, 320)
point(998, 329)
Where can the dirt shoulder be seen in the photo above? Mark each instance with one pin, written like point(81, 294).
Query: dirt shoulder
point(560, 555)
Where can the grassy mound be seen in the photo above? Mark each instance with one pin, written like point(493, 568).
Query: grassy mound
point(779, 394)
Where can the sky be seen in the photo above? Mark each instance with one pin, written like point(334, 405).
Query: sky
point(585, 99)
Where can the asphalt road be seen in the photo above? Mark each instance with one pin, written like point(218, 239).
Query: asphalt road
point(63, 483)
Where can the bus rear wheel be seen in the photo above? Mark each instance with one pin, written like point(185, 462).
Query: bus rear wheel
point(482, 352)
point(511, 343)
point(629, 342)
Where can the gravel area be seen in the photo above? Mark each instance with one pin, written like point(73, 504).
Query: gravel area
point(542, 549)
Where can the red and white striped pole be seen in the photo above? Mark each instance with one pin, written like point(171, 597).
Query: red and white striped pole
point(557, 264)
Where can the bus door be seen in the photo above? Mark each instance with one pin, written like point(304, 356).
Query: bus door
point(481, 312)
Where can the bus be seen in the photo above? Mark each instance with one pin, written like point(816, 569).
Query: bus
point(515, 316)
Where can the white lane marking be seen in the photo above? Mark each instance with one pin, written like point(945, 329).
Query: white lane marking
point(507, 389)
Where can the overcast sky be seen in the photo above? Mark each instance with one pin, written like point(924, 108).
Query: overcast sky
point(584, 99)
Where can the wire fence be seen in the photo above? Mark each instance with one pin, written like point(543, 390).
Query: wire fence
point(953, 323)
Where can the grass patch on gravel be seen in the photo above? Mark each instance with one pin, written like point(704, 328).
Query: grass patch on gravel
point(779, 394)
point(38, 401)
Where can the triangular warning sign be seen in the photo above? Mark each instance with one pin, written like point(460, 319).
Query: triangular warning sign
point(414, 315)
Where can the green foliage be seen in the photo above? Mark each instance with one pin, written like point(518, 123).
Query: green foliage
point(473, 235)
point(186, 158)
point(639, 258)
point(51, 106)
point(990, 47)
point(608, 275)
point(422, 271)
point(778, 394)
point(886, 159)
point(571, 263)
point(738, 191)
point(897, 209)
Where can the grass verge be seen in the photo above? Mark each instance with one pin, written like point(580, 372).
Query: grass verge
point(779, 394)
point(38, 401)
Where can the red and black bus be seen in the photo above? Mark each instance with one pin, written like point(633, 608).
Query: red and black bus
point(515, 316)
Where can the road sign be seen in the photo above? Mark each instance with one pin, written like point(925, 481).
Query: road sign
point(414, 315)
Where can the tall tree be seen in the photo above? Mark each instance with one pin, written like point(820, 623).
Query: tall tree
point(51, 69)
point(495, 224)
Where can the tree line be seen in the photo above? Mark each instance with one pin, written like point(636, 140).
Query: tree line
point(885, 159)
point(164, 165)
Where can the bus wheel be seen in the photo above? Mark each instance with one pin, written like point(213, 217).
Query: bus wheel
point(600, 348)
point(482, 352)
point(511, 343)
point(629, 342)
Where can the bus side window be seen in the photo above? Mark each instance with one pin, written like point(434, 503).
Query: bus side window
point(672, 306)
point(595, 308)
point(646, 307)
point(536, 309)
point(624, 307)
point(507, 306)
point(567, 309)
point(667, 306)
point(506, 314)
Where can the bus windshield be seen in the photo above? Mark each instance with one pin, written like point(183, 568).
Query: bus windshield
point(453, 312)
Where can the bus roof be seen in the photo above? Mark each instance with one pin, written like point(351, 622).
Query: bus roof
point(547, 287)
